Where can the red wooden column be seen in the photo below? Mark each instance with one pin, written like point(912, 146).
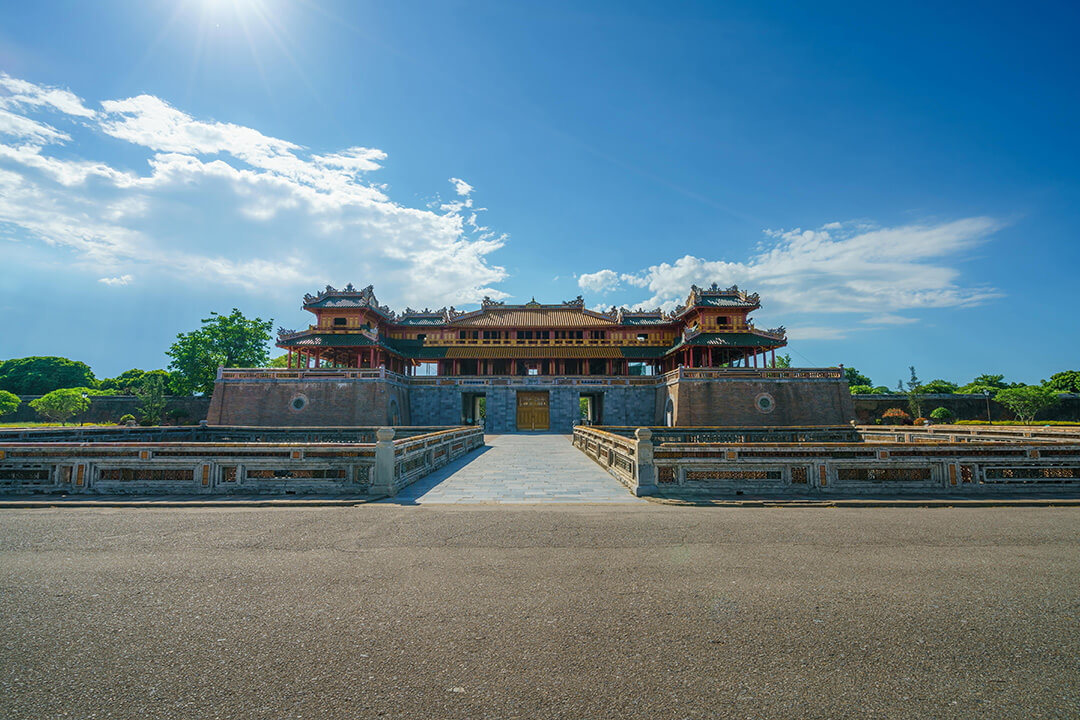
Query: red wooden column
point(773, 360)
point(710, 356)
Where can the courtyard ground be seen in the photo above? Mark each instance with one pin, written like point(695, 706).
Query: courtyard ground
point(564, 611)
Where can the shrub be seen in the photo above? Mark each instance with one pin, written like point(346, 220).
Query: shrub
point(61, 405)
point(860, 389)
point(942, 415)
point(128, 419)
point(921, 421)
point(9, 402)
point(895, 416)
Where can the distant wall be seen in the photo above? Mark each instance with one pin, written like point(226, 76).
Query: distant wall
point(110, 408)
point(966, 407)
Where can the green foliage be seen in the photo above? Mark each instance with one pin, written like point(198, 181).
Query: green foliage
point(912, 392)
point(987, 383)
point(9, 402)
point(124, 382)
point(860, 390)
point(942, 415)
point(938, 387)
point(41, 375)
point(783, 361)
point(281, 361)
point(127, 419)
point(895, 416)
point(583, 409)
point(882, 390)
point(1065, 381)
point(1027, 402)
point(854, 377)
point(151, 394)
point(61, 405)
point(223, 340)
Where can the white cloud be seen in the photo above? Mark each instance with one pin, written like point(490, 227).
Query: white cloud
point(816, 332)
point(113, 281)
point(29, 131)
point(888, 319)
point(601, 281)
point(463, 188)
point(839, 268)
point(15, 92)
point(226, 204)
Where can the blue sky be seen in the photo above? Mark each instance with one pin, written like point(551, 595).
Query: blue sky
point(899, 183)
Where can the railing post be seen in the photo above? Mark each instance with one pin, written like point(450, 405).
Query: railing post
point(383, 481)
point(645, 472)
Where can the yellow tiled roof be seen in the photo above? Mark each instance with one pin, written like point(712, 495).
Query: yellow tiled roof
point(533, 317)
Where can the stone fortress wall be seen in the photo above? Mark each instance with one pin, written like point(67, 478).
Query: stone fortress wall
point(681, 398)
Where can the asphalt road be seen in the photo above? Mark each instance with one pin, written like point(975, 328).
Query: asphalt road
point(540, 612)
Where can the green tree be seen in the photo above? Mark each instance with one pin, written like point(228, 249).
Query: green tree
point(882, 390)
point(942, 415)
point(783, 361)
point(1066, 381)
point(281, 361)
point(61, 405)
point(41, 375)
point(223, 340)
point(125, 382)
point(854, 377)
point(982, 383)
point(1028, 401)
point(151, 394)
point(860, 390)
point(9, 402)
point(912, 392)
point(938, 387)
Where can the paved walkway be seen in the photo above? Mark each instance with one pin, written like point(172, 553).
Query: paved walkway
point(520, 468)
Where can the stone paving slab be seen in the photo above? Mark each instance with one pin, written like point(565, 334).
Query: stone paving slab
point(519, 468)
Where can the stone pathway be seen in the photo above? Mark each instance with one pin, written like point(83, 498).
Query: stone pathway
point(520, 468)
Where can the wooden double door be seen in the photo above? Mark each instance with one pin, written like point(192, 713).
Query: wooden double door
point(532, 410)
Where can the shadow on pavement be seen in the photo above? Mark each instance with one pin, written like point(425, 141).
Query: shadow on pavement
point(409, 495)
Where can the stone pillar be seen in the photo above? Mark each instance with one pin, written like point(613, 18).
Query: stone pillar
point(383, 481)
point(645, 471)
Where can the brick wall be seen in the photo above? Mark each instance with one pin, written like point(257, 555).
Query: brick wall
point(747, 402)
point(315, 403)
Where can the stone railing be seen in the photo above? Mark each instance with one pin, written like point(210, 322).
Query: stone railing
point(742, 373)
point(967, 433)
point(629, 461)
point(199, 467)
point(295, 375)
point(207, 434)
point(743, 434)
point(413, 458)
point(753, 466)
